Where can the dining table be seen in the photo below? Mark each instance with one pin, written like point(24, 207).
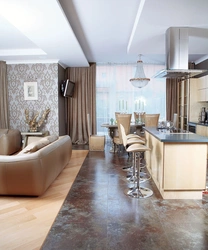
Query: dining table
point(135, 127)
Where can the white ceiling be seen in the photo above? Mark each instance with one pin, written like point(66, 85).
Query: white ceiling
point(75, 32)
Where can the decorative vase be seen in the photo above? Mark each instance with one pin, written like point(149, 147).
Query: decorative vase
point(33, 128)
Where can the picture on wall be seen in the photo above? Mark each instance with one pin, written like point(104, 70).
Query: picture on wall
point(30, 90)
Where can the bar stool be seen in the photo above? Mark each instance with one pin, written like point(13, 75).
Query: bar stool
point(132, 178)
point(137, 191)
point(151, 120)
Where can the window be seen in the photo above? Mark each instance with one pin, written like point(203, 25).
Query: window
point(114, 92)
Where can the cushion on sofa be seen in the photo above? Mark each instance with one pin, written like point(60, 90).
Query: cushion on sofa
point(51, 138)
point(34, 146)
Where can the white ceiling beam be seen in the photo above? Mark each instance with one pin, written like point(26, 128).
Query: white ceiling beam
point(139, 12)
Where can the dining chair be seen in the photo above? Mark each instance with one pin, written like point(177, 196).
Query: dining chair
point(96, 142)
point(129, 135)
point(151, 120)
point(125, 120)
point(117, 113)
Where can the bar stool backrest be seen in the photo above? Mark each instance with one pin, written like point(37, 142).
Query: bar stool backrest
point(123, 134)
point(151, 120)
point(125, 120)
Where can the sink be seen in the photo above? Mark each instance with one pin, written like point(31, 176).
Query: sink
point(172, 130)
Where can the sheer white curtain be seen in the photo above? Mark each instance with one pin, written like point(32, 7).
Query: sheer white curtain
point(114, 92)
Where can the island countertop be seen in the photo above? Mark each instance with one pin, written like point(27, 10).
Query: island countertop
point(194, 123)
point(176, 137)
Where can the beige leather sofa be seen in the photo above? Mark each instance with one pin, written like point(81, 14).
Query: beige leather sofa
point(10, 141)
point(32, 171)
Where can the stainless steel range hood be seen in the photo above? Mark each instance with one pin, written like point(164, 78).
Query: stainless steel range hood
point(177, 40)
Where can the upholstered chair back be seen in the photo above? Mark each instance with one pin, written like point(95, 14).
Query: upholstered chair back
point(125, 120)
point(151, 120)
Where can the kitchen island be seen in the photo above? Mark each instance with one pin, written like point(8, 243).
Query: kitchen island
point(177, 163)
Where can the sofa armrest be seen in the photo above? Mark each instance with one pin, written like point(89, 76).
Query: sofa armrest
point(32, 173)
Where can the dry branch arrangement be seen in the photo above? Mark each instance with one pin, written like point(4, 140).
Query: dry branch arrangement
point(33, 123)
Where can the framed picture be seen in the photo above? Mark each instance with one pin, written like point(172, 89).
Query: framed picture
point(30, 90)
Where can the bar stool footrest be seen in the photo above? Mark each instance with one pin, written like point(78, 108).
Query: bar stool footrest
point(128, 168)
point(142, 178)
point(139, 193)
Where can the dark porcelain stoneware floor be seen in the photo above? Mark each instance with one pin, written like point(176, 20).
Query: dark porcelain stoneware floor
point(98, 215)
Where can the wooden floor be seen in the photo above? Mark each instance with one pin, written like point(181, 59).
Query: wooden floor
point(26, 221)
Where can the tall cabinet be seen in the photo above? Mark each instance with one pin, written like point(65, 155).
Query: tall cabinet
point(198, 97)
point(202, 92)
point(183, 103)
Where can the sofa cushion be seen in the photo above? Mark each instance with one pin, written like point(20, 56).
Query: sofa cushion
point(34, 146)
point(51, 138)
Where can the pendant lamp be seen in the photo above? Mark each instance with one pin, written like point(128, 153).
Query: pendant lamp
point(140, 80)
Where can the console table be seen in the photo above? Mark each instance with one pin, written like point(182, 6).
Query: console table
point(29, 134)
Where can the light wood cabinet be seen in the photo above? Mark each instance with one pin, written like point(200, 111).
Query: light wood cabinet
point(202, 92)
point(154, 159)
point(195, 106)
point(202, 130)
point(181, 159)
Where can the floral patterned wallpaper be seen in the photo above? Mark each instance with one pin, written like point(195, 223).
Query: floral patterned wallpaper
point(46, 76)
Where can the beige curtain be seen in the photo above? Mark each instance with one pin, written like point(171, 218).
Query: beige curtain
point(82, 103)
point(4, 113)
point(171, 98)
